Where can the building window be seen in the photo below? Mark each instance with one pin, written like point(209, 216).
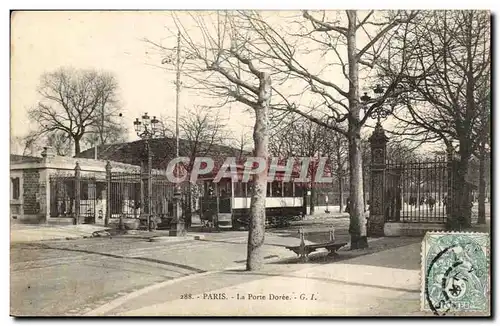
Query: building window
point(16, 188)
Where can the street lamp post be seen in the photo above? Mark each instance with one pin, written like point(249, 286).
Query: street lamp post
point(146, 130)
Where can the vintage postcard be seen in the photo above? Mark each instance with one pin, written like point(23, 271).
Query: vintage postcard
point(250, 163)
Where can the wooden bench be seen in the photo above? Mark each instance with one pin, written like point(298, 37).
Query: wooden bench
point(303, 250)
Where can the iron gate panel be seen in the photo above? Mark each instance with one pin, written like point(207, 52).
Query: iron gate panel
point(62, 196)
point(416, 192)
point(125, 195)
point(63, 199)
point(88, 199)
point(129, 195)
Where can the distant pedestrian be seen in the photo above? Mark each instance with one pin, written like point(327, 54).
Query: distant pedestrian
point(348, 205)
point(431, 201)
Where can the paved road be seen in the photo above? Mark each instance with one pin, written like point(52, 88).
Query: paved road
point(386, 281)
point(76, 276)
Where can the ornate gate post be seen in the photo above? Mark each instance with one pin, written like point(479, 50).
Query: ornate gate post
point(108, 194)
point(77, 193)
point(378, 142)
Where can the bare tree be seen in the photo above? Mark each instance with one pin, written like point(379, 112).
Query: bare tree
point(300, 137)
point(482, 153)
point(107, 129)
point(166, 127)
point(446, 75)
point(17, 145)
point(73, 102)
point(204, 131)
point(333, 38)
point(220, 65)
point(33, 143)
point(242, 143)
point(337, 150)
point(60, 142)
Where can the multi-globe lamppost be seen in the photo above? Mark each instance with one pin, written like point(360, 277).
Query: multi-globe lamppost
point(146, 130)
point(380, 112)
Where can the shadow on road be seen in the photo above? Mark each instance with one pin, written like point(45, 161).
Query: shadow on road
point(378, 246)
point(152, 260)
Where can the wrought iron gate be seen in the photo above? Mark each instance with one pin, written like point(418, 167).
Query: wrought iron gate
point(129, 197)
point(85, 204)
point(416, 192)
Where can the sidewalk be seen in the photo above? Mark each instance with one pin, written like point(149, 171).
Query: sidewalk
point(333, 212)
point(379, 281)
point(30, 233)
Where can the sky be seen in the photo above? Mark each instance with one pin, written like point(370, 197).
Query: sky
point(43, 41)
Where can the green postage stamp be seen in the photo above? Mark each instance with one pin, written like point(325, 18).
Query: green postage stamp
point(455, 273)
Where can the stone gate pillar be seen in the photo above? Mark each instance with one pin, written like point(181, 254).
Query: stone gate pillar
point(378, 144)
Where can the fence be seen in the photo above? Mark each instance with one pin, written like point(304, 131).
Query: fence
point(130, 198)
point(125, 195)
point(416, 191)
point(77, 197)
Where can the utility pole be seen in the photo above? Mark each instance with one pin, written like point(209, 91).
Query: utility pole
point(178, 92)
point(177, 228)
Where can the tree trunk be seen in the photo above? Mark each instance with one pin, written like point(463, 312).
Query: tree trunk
point(257, 227)
point(189, 206)
point(77, 145)
point(341, 192)
point(461, 205)
point(340, 176)
point(357, 227)
point(312, 200)
point(481, 219)
point(364, 184)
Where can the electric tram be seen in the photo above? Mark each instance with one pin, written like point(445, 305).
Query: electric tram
point(226, 203)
